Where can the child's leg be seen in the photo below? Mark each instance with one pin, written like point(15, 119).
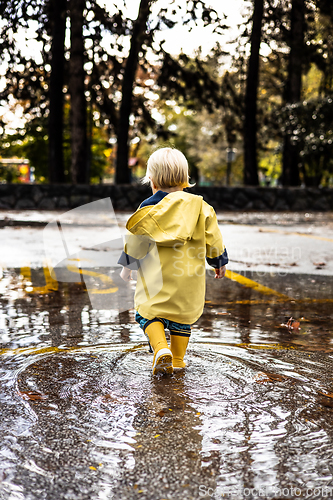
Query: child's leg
point(179, 342)
point(162, 362)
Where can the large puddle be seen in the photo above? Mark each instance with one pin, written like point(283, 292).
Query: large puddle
point(83, 418)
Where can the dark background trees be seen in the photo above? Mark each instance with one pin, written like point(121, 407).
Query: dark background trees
point(57, 16)
point(250, 101)
point(78, 117)
point(139, 34)
point(293, 87)
point(93, 103)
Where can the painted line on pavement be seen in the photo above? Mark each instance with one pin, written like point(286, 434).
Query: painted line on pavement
point(305, 235)
point(51, 284)
point(274, 300)
point(27, 351)
point(248, 345)
point(254, 284)
point(103, 277)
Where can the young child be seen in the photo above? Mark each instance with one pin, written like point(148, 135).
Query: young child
point(183, 228)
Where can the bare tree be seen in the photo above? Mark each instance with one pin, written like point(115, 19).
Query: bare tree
point(250, 114)
point(123, 173)
point(79, 166)
point(291, 159)
point(56, 95)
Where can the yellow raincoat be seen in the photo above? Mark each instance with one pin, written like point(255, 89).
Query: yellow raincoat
point(172, 239)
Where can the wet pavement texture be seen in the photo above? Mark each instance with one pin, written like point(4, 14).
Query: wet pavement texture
point(250, 417)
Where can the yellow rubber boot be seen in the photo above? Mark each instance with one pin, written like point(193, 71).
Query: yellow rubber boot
point(178, 349)
point(162, 362)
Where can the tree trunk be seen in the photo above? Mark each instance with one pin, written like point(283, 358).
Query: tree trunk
point(56, 158)
point(252, 82)
point(123, 173)
point(79, 165)
point(291, 159)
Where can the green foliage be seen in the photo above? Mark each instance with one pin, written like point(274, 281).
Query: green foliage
point(99, 161)
point(202, 137)
point(201, 114)
point(28, 82)
point(9, 174)
point(270, 162)
point(178, 100)
point(29, 143)
point(310, 127)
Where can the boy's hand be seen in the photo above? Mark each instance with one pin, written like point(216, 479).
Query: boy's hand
point(126, 274)
point(219, 273)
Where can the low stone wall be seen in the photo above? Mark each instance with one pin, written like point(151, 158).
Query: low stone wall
point(64, 197)
point(267, 199)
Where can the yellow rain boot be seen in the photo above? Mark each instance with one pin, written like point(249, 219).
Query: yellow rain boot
point(162, 362)
point(178, 348)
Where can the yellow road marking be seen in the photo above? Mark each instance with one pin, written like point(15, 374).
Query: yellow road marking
point(103, 277)
point(35, 350)
point(247, 345)
point(305, 235)
point(265, 346)
point(122, 347)
point(50, 283)
point(254, 284)
point(257, 302)
point(27, 351)
point(315, 301)
point(275, 300)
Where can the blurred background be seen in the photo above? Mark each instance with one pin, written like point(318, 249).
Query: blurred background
point(89, 88)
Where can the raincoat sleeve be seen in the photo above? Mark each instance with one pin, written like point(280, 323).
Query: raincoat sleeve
point(135, 249)
point(216, 253)
point(126, 260)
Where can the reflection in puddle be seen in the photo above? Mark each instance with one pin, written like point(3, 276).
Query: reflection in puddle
point(83, 417)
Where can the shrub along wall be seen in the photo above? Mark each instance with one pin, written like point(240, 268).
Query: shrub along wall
point(128, 197)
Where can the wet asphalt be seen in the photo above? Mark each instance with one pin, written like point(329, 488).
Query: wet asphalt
point(250, 417)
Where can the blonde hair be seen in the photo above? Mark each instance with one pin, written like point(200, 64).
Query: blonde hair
point(167, 168)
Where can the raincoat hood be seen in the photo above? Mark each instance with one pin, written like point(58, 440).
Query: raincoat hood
point(171, 221)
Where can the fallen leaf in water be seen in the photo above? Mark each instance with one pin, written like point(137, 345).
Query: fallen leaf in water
point(160, 413)
point(327, 395)
point(291, 324)
point(32, 396)
point(92, 468)
point(260, 378)
point(263, 377)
